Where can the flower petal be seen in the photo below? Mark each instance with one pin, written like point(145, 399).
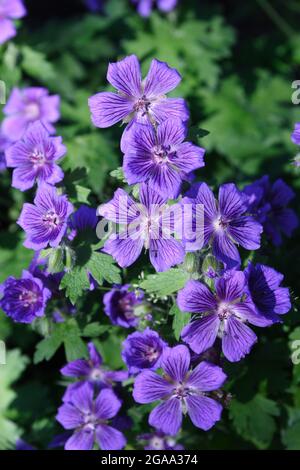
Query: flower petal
point(231, 286)
point(166, 108)
point(165, 253)
point(203, 411)
point(80, 440)
point(124, 250)
point(176, 362)
point(109, 108)
point(207, 377)
point(196, 297)
point(246, 232)
point(238, 339)
point(109, 438)
point(125, 76)
point(69, 416)
point(167, 417)
point(160, 79)
point(232, 202)
point(107, 404)
point(201, 334)
point(171, 132)
point(149, 387)
point(77, 368)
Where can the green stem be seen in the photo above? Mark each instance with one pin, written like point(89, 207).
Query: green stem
point(276, 18)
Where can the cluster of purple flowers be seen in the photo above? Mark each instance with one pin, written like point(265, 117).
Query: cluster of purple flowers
point(159, 161)
point(223, 302)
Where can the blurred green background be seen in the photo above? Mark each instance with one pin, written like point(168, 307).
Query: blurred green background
point(238, 61)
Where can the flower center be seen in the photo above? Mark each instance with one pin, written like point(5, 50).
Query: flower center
point(28, 298)
point(37, 158)
point(157, 443)
point(51, 219)
point(32, 111)
point(161, 154)
point(126, 307)
point(142, 105)
point(219, 224)
point(224, 311)
point(181, 391)
point(96, 374)
point(152, 354)
point(90, 421)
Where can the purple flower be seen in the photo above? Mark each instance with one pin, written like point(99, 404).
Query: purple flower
point(10, 10)
point(45, 221)
point(159, 441)
point(269, 298)
point(137, 101)
point(122, 306)
point(4, 144)
point(27, 106)
point(223, 314)
point(83, 219)
point(34, 158)
point(295, 137)
point(148, 225)
point(161, 158)
point(143, 350)
point(225, 222)
point(268, 203)
point(88, 417)
point(144, 7)
point(24, 299)
point(92, 372)
point(181, 391)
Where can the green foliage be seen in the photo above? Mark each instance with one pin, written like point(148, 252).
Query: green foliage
point(9, 373)
point(166, 283)
point(254, 420)
point(98, 265)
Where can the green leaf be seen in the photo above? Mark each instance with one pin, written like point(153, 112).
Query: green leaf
point(291, 437)
point(82, 194)
point(9, 373)
point(93, 330)
point(166, 283)
point(118, 174)
point(254, 420)
point(180, 320)
point(75, 282)
point(102, 268)
point(46, 348)
point(67, 333)
point(34, 63)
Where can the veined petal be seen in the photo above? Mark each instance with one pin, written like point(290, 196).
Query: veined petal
point(109, 108)
point(225, 250)
point(107, 404)
point(109, 438)
point(171, 132)
point(232, 202)
point(160, 79)
point(167, 417)
point(237, 340)
point(246, 232)
point(203, 411)
point(149, 387)
point(232, 286)
point(206, 377)
point(176, 362)
point(82, 439)
point(165, 253)
point(124, 250)
point(201, 334)
point(166, 108)
point(125, 76)
point(196, 297)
